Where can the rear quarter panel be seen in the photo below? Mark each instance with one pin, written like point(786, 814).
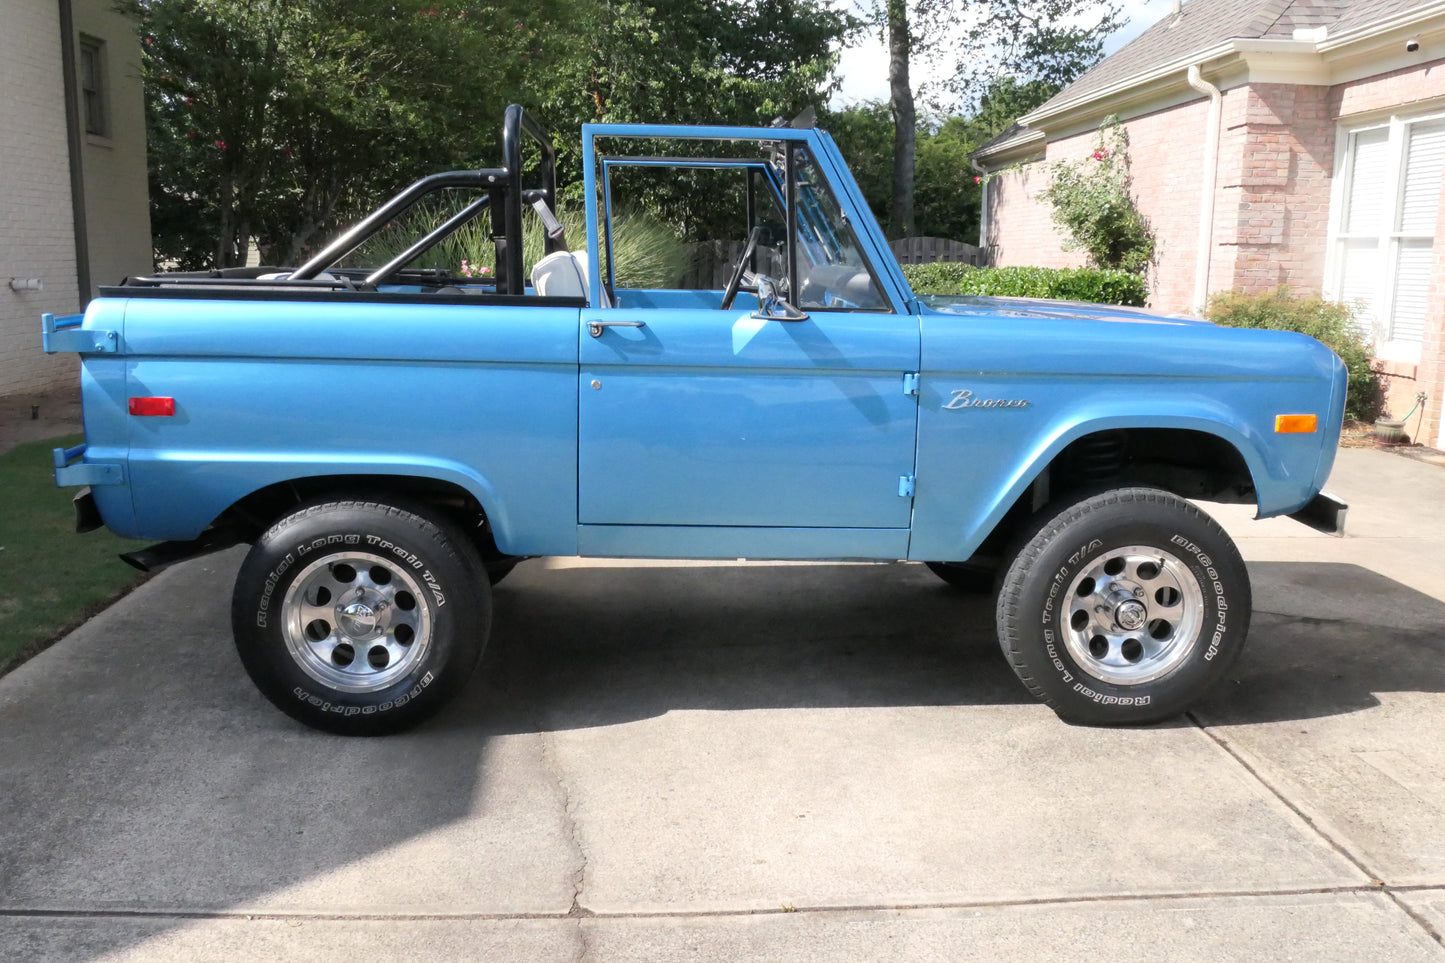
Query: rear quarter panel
point(267, 391)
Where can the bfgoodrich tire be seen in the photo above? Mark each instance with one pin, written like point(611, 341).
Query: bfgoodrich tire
point(1125, 607)
point(360, 618)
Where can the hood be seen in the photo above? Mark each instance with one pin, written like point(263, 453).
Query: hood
point(1044, 309)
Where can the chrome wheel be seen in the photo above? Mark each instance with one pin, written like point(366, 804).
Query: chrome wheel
point(1133, 615)
point(356, 622)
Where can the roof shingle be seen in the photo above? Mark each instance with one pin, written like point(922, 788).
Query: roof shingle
point(1202, 24)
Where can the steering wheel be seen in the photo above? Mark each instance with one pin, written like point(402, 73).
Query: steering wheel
point(735, 283)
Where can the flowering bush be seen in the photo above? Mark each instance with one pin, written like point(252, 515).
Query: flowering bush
point(1093, 206)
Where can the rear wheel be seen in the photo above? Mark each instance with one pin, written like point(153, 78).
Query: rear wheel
point(360, 618)
point(1125, 607)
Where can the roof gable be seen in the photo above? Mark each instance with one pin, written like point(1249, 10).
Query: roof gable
point(1202, 25)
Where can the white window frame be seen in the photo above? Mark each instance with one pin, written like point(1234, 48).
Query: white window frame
point(1398, 125)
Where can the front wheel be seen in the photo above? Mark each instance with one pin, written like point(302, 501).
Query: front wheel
point(1125, 607)
point(360, 618)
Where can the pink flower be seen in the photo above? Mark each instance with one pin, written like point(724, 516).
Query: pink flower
point(1100, 154)
point(978, 180)
point(220, 145)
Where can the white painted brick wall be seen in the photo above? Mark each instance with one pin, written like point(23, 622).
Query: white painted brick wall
point(36, 227)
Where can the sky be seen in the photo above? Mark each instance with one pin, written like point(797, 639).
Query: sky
point(864, 69)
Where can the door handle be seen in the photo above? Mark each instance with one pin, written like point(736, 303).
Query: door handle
point(594, 328)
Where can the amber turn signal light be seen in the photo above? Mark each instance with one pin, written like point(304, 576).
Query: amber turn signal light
point(160, 407)
point(1295, 424)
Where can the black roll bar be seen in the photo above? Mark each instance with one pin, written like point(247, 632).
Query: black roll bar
point(506, 181)
point(351, 239)
point(452, 223)
point(516, 122)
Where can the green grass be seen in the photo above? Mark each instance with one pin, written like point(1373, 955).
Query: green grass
point(51, 579)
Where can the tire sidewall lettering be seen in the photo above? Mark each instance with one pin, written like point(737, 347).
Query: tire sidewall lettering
point(326, 704)
point(1218, 625)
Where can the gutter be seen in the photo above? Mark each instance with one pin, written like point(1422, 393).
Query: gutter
point(1030, 139)
point(1128, 83)
point(1242, 47)
point(1420, 14)
point(1205, 242)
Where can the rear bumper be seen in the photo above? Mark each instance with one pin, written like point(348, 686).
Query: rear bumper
point(1324, 513)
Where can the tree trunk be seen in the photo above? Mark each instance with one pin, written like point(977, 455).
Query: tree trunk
point(225, 224)
point(905, 120)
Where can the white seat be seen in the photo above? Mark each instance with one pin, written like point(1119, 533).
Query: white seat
point(561, 274)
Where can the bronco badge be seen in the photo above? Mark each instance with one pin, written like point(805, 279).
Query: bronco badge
point(963, 398)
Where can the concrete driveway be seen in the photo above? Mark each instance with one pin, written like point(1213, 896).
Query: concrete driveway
point(753, 762)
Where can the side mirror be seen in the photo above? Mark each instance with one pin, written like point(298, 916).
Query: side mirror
point(772, 306)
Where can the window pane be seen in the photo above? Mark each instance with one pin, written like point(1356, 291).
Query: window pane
point(1412, 290)
point(1366, 201)
point(662, 246)
point(92, 93)
point(1359, 281)
point(1423, 165)
point(831, 270)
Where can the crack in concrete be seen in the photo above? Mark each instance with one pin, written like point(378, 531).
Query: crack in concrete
point(579, 877)
point(820, 910)
point(1377, 884)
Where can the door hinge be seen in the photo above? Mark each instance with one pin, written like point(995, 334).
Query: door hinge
point(905, 486)
point(910, 383)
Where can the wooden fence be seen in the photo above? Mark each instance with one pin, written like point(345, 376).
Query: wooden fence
point(931, 250)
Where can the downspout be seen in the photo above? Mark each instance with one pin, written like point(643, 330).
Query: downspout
point(77, 160)
point(982, 209)
point(1205, 243)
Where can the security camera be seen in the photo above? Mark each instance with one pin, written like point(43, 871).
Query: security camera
point(1412, 45)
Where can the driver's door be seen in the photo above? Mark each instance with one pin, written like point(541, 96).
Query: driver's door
point(800, 432)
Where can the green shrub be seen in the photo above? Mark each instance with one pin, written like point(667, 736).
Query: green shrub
point(649, 255)
point(1061, 284)
point(1329, 322)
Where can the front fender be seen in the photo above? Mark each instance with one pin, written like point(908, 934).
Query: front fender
point(973, 464)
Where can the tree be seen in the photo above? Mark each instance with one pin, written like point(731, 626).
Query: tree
point(946, 203)
point(680, 61)
point(727, 62)
point(279, 120)
point(1046, 40)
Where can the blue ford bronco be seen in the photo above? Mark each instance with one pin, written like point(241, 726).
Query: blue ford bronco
point(392, 429)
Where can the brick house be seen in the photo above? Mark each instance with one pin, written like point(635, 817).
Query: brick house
point(74, 210)
point(1296, 142)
